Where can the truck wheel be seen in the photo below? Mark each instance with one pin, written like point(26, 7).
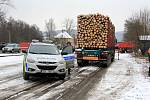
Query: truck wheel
point(79, 64)
point(25, 76)
point(85, 62)
point(62, 77)
point(104, 65)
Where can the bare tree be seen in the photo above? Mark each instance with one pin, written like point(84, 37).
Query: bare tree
point(3, 5)
point(144, 17)
point(138, 24)
point(5, 2)
point(50, 28)
point(69, 25)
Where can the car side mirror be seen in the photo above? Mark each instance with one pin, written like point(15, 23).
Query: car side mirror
point(64, 53)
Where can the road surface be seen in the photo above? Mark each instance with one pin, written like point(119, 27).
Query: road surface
point(124, 79)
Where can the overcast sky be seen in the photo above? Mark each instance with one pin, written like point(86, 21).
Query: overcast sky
point(38, 11)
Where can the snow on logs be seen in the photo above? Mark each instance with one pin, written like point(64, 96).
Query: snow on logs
point(95, 31)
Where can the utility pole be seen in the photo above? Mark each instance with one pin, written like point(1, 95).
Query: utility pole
point(9, 32)
point(9, 36)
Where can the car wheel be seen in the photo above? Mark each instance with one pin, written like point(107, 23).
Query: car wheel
point(62, 77)
point(12, 51)
point(26, 76)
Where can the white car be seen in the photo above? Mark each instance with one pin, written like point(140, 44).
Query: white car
point(43, 59)
point(11, 47)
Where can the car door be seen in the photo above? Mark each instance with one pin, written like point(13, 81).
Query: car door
point(68, 55)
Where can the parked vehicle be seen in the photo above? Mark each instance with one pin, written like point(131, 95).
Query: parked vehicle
point(2, 45)
point(43, 59)
point(95, 39)
point(24, 46)
point(11, 47)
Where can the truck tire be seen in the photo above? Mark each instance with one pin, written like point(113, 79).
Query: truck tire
point(83, 63)
point(80, 62)
point(104, 65)
point(26, 76)
point(107, 63)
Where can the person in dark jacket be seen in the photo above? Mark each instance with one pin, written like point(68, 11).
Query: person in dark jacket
point(149, 60)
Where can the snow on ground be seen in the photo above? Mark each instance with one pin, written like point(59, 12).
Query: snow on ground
point(124, 80)
point(10, 60)
point(10, 71)
point(141, 89)
point(10, 66)
point(69, 84)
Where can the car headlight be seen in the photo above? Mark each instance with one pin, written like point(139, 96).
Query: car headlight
point(30, 60)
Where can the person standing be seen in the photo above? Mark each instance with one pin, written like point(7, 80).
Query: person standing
point(148, 54)
point(149, 61)
point(68, 50)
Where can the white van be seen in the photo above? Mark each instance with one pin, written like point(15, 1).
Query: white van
point(43, 59)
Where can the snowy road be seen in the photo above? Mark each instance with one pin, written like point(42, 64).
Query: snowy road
point(12, 85)
point(125, 79)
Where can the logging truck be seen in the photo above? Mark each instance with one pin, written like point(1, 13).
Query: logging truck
point(95, 39)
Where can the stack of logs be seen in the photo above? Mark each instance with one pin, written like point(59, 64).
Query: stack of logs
point(95, 31)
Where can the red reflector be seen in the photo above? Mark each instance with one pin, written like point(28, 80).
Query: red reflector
point(104, 53)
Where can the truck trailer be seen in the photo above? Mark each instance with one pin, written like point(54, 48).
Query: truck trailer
point(95, 39)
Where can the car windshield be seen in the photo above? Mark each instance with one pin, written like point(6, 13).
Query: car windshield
point(10, 45)
point(43, 49)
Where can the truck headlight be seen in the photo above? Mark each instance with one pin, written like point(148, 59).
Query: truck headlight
point(30, 60)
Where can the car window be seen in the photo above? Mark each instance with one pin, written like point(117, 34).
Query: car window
point(68, 50)
point(11, 45)
point(44, 49)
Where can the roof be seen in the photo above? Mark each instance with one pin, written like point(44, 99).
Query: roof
point(41, 43)
point(125, 45)
point(63, 35)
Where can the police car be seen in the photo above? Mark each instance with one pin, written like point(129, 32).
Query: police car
point(44, 59)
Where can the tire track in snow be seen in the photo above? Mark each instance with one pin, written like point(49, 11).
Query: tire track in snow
point(16, 86)
point(37, 91)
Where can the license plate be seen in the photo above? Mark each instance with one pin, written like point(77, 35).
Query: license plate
point(90, 58)
point(46, 71)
